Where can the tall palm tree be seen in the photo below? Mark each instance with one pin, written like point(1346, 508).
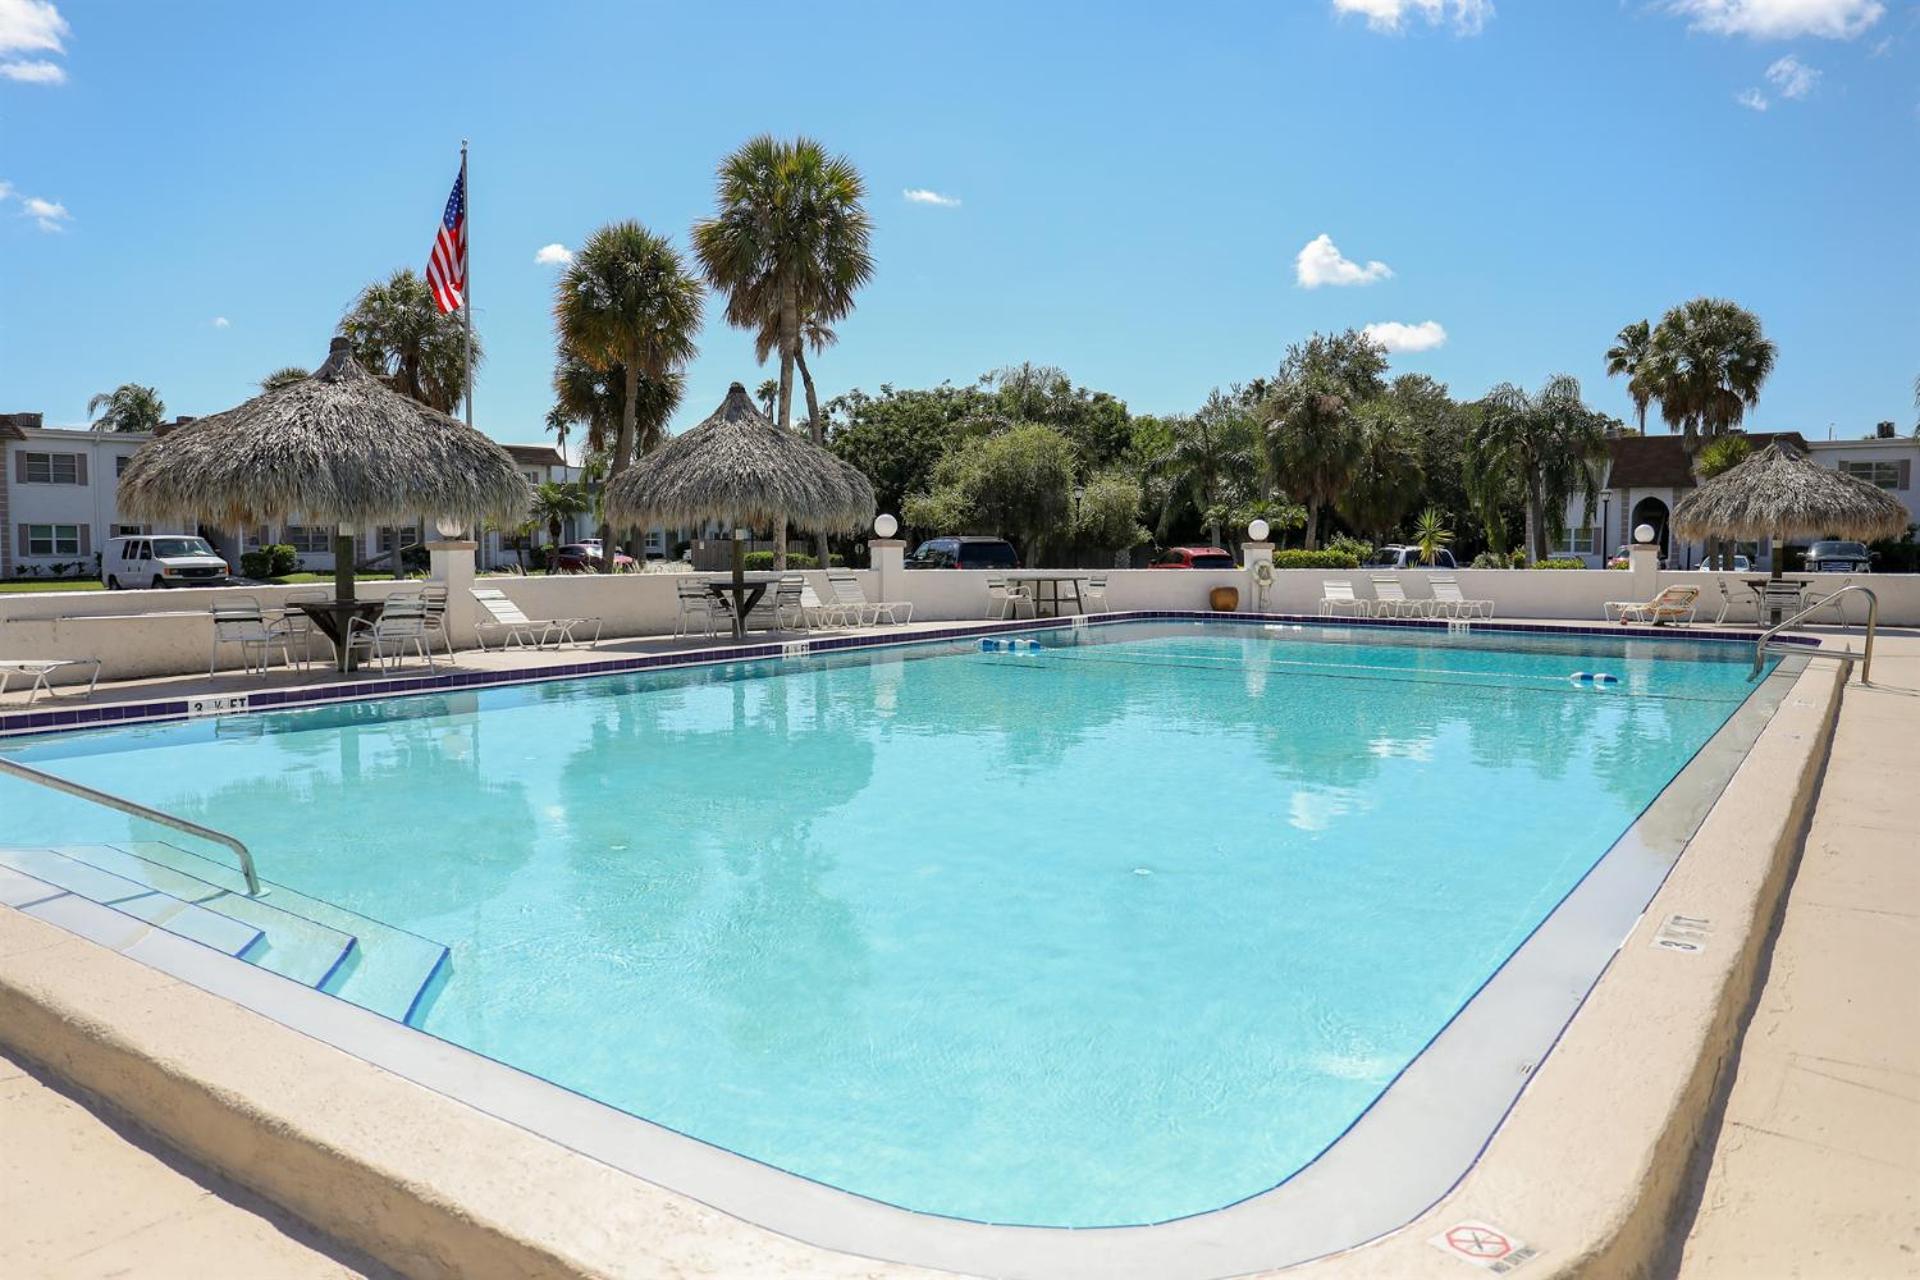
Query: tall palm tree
point(553, 504)
point(597, 400)
point(1311, 441)
point(1385, 478)
point(1627, 358)
point(1546, 445)
point(284, 376)
point(399, 334)
point(766, 393)
point(1212, 460)
point(789, 242)
point(128, 407)
point(628, 303)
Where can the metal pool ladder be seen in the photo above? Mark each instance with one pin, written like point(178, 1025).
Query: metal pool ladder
point(138, 810)
point(1760, 646)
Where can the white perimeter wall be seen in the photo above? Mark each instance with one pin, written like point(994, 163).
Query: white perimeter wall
point(61, 624)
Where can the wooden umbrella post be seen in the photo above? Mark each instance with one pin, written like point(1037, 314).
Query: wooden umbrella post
point(343, 563)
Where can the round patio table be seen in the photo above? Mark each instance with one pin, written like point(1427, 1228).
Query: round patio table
point(334, 618)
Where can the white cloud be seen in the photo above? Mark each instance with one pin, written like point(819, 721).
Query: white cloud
point(49, 214)
point(554, 255)
point(221, 322)
point(1320, 262)
point(1751, 99)
point(32, 26)
point(1395, 336)
point(6, 189)
point(1780, 19)
point(1792, 78)
point(34, 72)
point(921, 195)
point(1466, 16)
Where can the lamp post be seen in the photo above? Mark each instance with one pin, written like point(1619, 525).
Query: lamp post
point(1606, 528)
point(1079, 492)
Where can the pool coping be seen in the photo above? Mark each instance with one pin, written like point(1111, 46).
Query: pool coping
point(39, 719)
point(1212, 1244)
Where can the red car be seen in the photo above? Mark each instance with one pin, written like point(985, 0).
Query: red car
point(1195, 558)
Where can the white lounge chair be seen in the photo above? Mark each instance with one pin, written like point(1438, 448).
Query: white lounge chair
point(817, 612)
point(1447, 599)
point(1004, 599)
point(1673, 604)
point(38, 669)
point(1094, 594)
point(504, 615)
point(846, 589)
point(1390, 599)
point(1336, 597)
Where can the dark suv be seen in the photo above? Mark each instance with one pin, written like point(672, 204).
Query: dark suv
point(964, 553)
point(1834, 556)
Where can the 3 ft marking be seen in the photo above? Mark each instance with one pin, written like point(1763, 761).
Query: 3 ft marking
point(219, 704)
point(1686, 934)
point(794, 648)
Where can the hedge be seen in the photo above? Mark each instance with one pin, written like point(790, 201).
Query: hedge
point(1297, 559)
point(1560, 564)
point(761, 561)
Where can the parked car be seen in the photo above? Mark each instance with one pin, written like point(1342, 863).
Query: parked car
point(1839, 557)
point(1195, 558)
point(959, 552)
point(1396, 557)
point(586, 557)
point(1621, 559)
point(161, 560)
point(1741, 564)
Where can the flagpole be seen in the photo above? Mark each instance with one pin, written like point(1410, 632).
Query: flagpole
point(466, 295)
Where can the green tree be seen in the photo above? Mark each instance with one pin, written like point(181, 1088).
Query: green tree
point(1546, 446)
point(1211, 462)
point(1384, 479)
point(627, 305)
point(1431, 535)
point(1705, 364)
point(1722, 454)
point(401, 335)
point(1106, 515)
point(128, 407)
point(788, 244)
point(1627, 358)
point(554, 504)
point(1097, 423)
point(284, 377)
point(1018, 483)
point(898, 437)
point(1311, 433)
point(767, 392)
point(596, 400)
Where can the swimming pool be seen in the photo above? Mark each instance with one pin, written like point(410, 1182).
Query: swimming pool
point(1122, 929)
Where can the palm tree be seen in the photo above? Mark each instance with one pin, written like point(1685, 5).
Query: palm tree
point(1209, 462)
point(1547, 446)
point(554, 504)
point(628, 306)
point(1311, 441)
point(128, 407)
point(1431, 534)
point(597, 400)
point(1627, 358)
point(766, 393)
point(788, 244)
point(285, 376)
point(1385, 478)
point(399, 334)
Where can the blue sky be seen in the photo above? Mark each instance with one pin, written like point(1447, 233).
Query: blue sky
point(194, 192)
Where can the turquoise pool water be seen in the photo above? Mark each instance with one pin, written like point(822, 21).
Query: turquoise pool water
point(1123, 930)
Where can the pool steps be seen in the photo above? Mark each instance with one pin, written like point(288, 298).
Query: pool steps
point(390, 971)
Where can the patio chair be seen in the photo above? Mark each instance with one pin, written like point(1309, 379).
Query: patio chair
point(1336, 597)
point(777, 609)
point(1004, 599)
point(238, 620)
point(1390, 599)
point(297, 627)
point(1726, 601)
point(1788, 598)
point(1094, 594)
point(402, 621)
point(529, 633)
point(698, 604)
point(1672, 604)
point(436, 598)
point(38, 669)
point(1448, 599)
point(846, 589)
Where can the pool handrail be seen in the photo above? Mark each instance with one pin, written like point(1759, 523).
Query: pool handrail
point(138, 810)
point(1866, 653)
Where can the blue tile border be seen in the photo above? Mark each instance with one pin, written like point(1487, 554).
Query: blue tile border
point(173, 709)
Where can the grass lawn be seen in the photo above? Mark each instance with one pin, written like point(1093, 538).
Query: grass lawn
point(52, 584)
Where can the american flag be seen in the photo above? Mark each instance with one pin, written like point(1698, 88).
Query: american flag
point(447, 267)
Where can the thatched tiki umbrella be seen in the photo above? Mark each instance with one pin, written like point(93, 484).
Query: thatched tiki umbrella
point(337, 448)
point(1779, 493)
point(739, 468)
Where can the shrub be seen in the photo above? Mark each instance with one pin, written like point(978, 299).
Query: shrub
point(1315, 560)
point(257, 564)
point(1358, 548)
point(286, 560)
point(761, 561)
point(1560, 564)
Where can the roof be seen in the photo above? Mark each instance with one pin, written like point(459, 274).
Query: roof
point(1660, 462)
point(535, 455)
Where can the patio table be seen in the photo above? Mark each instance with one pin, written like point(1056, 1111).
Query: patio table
point(1759, 588)
point(744, 596)
point(334, 618)
point(1047, 588)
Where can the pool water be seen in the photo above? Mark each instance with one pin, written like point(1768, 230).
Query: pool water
point(1125, 929)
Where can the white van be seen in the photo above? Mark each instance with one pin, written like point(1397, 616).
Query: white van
point(161, 560)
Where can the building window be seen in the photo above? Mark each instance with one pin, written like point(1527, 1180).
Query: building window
point(120, 464)
point(408, 536)
point(1578, 542)
point(308, 538)
point(128, 530)
point(53, 539)
point(1884, 475)
point(52, 468)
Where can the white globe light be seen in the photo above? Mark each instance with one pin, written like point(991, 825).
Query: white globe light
point(1643, 533)
point(448, 527)
point(1258, 530)
point(885, 525)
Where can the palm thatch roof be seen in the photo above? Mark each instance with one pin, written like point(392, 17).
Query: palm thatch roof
point(1781, 493)
point(739, 468)
point(338, 447)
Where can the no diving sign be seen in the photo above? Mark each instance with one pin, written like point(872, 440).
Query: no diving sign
point(1485, 1246)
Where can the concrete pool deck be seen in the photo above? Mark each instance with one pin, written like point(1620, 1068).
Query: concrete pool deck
point(1483, 1196)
